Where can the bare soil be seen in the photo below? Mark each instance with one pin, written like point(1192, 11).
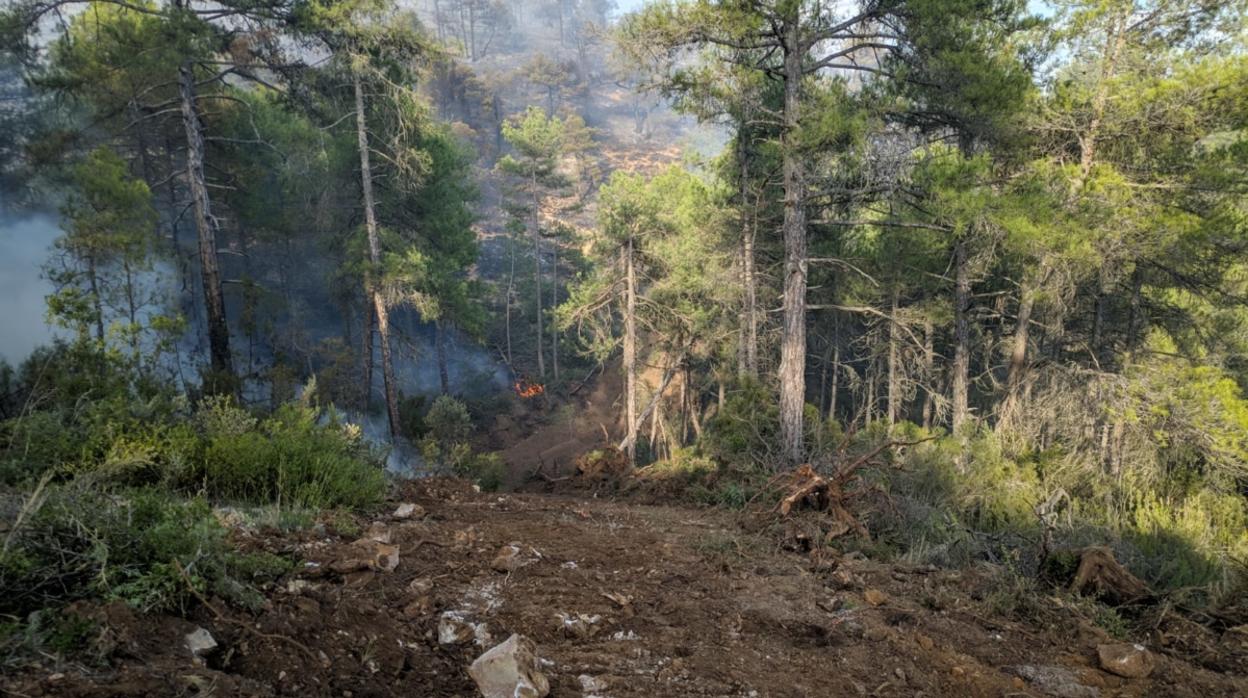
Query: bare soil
point(645, 600)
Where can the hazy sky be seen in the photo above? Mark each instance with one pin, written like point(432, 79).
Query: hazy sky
point(24, 244)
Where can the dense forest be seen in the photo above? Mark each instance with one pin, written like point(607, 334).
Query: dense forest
point(969, 278)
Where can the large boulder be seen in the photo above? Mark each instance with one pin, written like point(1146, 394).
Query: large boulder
point(510, 670)
point(1126, 660)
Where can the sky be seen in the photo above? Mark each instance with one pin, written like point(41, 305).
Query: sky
point(25, 241)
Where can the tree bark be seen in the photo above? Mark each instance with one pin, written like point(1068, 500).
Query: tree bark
point(792, 372)
point(894, 373)
point(97, 304)
point(367, 353)
point(511, 285)
point(554, 303)
point(380, 310)
point(1018, 353)
point(205, 226)
point(444, 376)
point(630, 351)
point(929, 372)
point(962, 336)
point(537, 278)
point(748, 361)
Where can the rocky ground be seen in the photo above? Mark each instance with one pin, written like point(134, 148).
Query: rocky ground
point(621, 599)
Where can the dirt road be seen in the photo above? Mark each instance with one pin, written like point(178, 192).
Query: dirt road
point(622, 600)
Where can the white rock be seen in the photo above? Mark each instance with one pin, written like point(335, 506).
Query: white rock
point(200, 642)
point(408, 510)
point(510, 670)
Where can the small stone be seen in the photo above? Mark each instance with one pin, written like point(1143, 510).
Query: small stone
point(378, 532)
point(420, 586)
point(1126, 660)
point(509, 558)
point(958, 671)
point(843, 579)
point(592, 684)
point(1054, 681)
point(926, 642)
point(418, 608)
point(510, 670)
point(876, 633)
point(408, 510)
point(579, 625)
point(875, 597)
point(385, 558)
point(454, 629)
point(201, 643)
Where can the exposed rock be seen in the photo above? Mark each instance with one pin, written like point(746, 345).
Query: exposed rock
point(875, 597)
point(579, 625)
point(418, 608)
point(378, 532)
point(385, 558)
point(1054, 681)
point(511, 557)
point(592, 684)
point(420, 586)
point(454, 629)
point(510, 670)
point(408, 510)
point(201, 643)
point(1126, 660)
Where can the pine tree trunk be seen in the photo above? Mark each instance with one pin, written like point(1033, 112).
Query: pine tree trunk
point(748, 361)
point(554, 303)
point(962, 336)
point(630, 350)
point(444, 374)
point(929, 372)
point(1018, 353)
point(97, 305)
point(1135, 321)
point(792, 373)
point(894, 371)
point(366, 353)
point(511, 285)
point(205, 226)
point(537, 279)
point(380, 310)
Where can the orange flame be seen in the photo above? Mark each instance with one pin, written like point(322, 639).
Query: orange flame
point(527, 389)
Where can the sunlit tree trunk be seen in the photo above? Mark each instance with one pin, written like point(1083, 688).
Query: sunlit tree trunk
point(962, 336)
point(894, 371)
point(630, 349)
point(380, 311)
point(792, 373)
point(205, 226)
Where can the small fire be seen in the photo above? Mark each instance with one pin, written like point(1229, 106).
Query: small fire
point(528, 389)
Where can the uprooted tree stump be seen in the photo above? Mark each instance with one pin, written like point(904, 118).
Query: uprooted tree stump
point(807, 489)
point(1094, 571)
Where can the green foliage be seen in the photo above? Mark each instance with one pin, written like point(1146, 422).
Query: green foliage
point(293, 459)
point(143, 546)
point(448, 420)
point(296, 456)
point(984, 506)
point(746, 429)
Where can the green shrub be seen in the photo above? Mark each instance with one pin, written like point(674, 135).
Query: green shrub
point(143, 546)
point(292, 459)
point(448, 420)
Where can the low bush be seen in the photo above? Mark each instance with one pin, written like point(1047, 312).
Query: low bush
point(143, 546)
point(289, 458)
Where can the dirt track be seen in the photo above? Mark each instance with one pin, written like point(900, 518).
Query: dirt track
point(687, 604)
